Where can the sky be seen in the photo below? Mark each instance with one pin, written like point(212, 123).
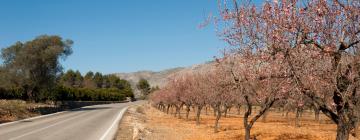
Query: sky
point(117, 35)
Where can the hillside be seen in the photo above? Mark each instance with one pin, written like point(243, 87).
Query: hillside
point(158, 78)
point(154, 78)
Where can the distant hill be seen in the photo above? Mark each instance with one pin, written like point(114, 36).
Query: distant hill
point(156, 78)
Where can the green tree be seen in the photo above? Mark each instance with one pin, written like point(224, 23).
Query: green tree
point(78, 80)
point(98, 79)
point(144, 86)
point(114, 81)
point(34, 65)
point(68, 79)
point(88, 81)
point(125, 86)
point(106, 81)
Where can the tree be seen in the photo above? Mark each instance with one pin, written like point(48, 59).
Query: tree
point(88, 81)
point(98, 79)
point(220, 86)
point(33, 65)
point(200, 90)
point(78, 79)
point(317, 44)
point(106, 82)
point(112, 81)
point(144, 86)
point(68, 79)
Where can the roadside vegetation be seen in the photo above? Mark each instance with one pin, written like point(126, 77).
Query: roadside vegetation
point(145, 89)
point(284, 55)
point(32, 81)
point(31, 71)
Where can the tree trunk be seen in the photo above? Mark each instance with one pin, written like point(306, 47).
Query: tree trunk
point(343, 131)
point(246, 117)
point(213, 107)
point(225, 111)
point(167, 110)
point(198, 112)
point(248, 124)
point(247, 133)
point(218, 116)
point(187, 111)
point(238, 107)
point(206, 110)
point(177, 112)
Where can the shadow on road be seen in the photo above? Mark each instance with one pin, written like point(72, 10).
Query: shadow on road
point(90, 108)
point(26, 121)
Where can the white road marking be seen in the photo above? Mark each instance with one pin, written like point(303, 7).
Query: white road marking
point(116, 121)
point(38, 130)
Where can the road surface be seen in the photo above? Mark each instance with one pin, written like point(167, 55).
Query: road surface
point(97, 122)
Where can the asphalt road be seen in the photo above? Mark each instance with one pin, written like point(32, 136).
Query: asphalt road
point(97, 122)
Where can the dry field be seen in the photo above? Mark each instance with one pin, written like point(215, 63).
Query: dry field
point(147, 123)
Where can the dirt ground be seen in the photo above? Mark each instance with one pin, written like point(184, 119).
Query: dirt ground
point(147, 123)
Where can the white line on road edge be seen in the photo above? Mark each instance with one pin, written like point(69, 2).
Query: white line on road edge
point(116, 121)
point(38, 130)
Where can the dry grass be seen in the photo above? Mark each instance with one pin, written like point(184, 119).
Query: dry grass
point(11, 110)
point(162, 126)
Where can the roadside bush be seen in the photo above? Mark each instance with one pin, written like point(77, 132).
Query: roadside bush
point(85, 94)
point(61, 93)
point(12, 93)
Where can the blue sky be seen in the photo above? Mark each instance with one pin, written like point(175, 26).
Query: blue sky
point(117, 35)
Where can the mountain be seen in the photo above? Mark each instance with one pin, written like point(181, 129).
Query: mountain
point(154, 78)
point(158, 78)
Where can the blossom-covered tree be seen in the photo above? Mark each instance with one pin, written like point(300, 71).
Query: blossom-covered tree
point(316, 42)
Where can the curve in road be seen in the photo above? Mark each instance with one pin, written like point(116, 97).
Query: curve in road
point(97, 122)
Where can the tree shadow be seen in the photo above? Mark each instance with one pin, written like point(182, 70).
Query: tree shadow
point(90, 108)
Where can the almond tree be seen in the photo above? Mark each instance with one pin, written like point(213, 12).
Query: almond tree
point(175, 91)
point(327, 30)
point(219, 88)
point(200, 88)
point(258, 83)
point(186, 85)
